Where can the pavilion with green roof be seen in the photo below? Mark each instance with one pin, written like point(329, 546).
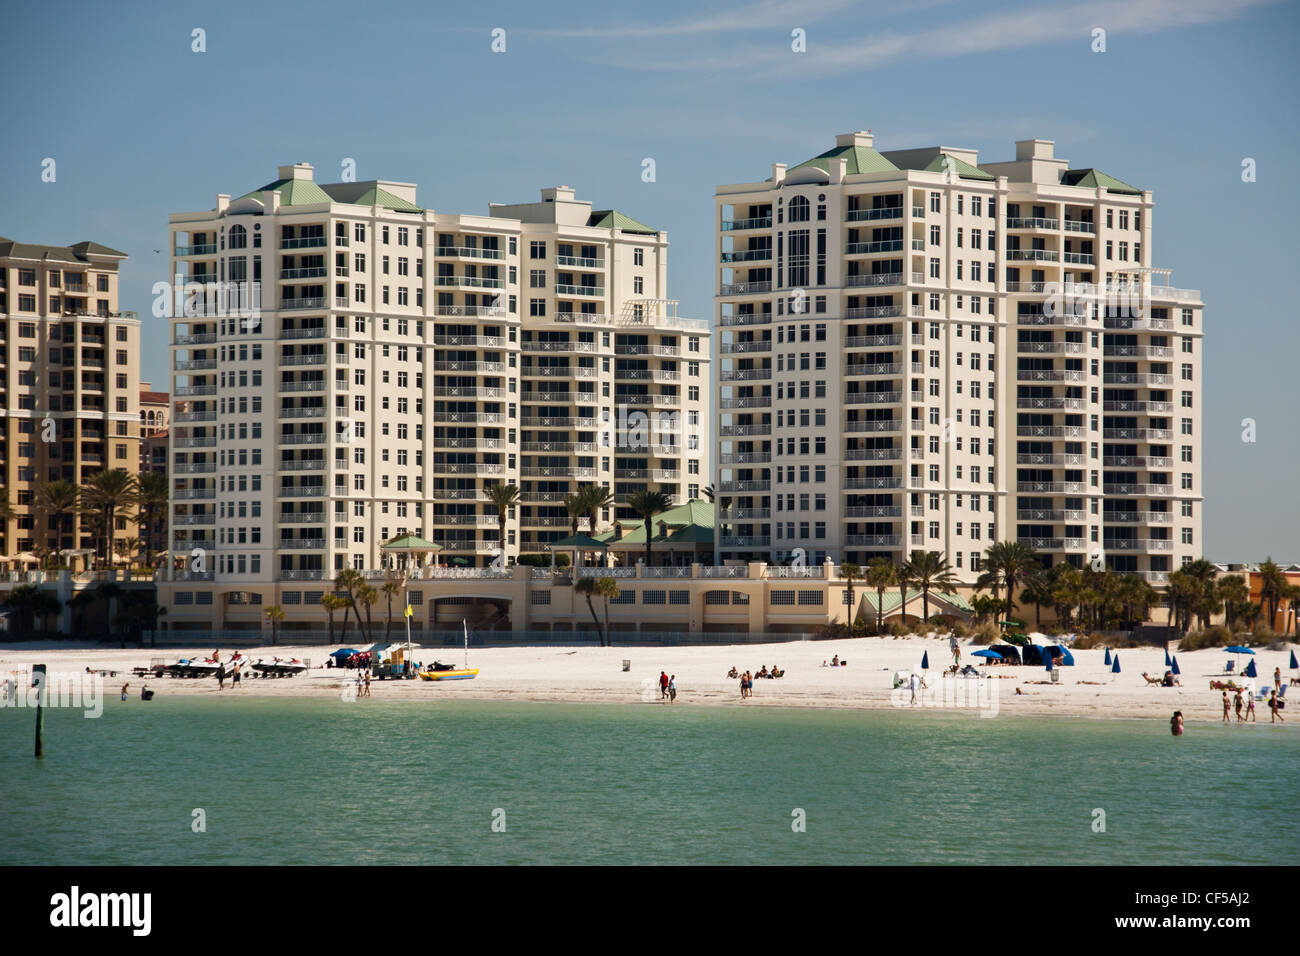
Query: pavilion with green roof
point(682, 535)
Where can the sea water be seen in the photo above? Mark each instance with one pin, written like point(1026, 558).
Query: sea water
point(260, 781)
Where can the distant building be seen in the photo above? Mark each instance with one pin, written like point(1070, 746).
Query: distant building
point(69, 386)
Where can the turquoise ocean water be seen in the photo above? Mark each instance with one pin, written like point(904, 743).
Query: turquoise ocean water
point(323, 782)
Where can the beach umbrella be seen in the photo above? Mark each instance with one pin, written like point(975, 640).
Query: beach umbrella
point(1250, 670)
point(987, 653)
point(1174, 666)
point(1047, 661)
point(925, 661)
point(1166, 657)
point(1294, 665)
point(1114, 668)
point(1107, 660)
point(344, 652)
point(1238, 649)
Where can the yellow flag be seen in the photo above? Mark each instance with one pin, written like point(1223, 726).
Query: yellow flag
point(409, 612)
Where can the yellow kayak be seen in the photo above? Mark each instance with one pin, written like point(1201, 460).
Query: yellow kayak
point(461, 673)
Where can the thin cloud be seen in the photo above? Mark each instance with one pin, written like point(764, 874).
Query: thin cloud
point(765, 15)
point(1025, 27)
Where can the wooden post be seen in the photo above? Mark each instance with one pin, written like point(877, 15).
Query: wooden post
point(38, 681)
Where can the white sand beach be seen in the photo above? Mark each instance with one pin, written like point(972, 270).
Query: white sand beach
point(595, 674)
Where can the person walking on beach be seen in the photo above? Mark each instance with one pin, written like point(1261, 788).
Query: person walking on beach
point(663, 685)
point(955, 647)
point(672, 688)
point(1275, 705)
point(1277, 679)
point(234, 676)
point(914, 682)
point(1225, 706)
point(1236, 705)
point(367, 689)
point(1250, 709)
point(221, 677)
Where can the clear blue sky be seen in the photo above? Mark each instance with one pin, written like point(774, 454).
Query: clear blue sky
point(141, 126)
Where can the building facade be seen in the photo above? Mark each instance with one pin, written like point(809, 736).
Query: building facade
point(396, 362)
point(69, 387)
point(920, 352)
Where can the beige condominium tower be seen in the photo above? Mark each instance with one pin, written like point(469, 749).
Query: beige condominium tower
point(69, 388)
point(398, 362)
point(921, 352)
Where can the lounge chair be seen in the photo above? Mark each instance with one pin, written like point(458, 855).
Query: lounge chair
point(1227, 668)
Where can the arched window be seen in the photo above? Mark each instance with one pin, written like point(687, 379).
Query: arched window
point(238, 237)
point(799, 209)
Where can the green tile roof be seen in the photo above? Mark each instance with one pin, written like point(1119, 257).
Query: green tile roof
point(858, 159)
point(689, 523)
point(613, 219)
point(891, 601)
point(410, 542)
point(74, 253)
point(964, 169)
point(368, 194)
point(1094, 178)
point(293, 192)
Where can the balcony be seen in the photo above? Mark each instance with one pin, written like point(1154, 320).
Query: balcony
point(1080, 225)
point(303, 411)
point(761, 254)
point(1139, 351)
point(739, 225)
point(744, 431)
point(1050, 431)
point(469, 282)
point(197, 249)
point(865, 484)
point(1072, 404)
point(873, 248)
point(876, 425)
point(306, 242)
point(1137, 544)
point(874, 312)
point(1139, 490)
point(310, 332)
point(195, 338)
point(874, 454)
point(1050, 375)
point(468, 252)
point(1136, 461)
point(468, 311)
point(666, 351)
point(1051, 487)
point(878, 279)
point(743, 541)
point(872, 541)
point(874, 215)
point(1071, 461)
point(484, 342)
point(1077, 258)
point(1049, 224)
point(874, 511)
point(745, 458)
point(746, 374)
point(591, 290)
point(1052, 348)
point(311, 272)
point(1138, 434)
point(298, 360)
point(481, 368)
point(862, 368)
point(745, 514)
point(1140, 407)
point(873, 398)
point(746, 288)
point(1033, 255)
point(301, 303)
point(1053, 515)
point(303, 438)
point(872, 341)
point(753, 318)
point(1135, 517)
point(748, 401)
point(743, 487)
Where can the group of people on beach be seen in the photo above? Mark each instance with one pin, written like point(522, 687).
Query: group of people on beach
point(667, 687)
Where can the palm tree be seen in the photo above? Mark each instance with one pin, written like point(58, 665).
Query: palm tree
point(57, 500)
point(391, 589)
point(587, 587)
point(1037, 591)
point(576, 508)
point(708, 492)
point(850, 572)
point(348, 581)
point(367, 595)
point(647, 504)
point(108, 592)
point(930, 570)
point(595, 498)
point(607, 588)
point(1272, 588)
point(129, 547)
point(106, 493)
point(7, 514)
point(34, 605)
point(880, 575)
point(331, 603)
point(152, 501)
point(1006, 564)
point(1066, 584)
point(904, 579)
point(274, 614)
point(1233, 592)
point(503, 498)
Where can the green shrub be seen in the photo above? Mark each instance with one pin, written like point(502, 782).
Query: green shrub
point(898, 628)
point(1215, 636)
point(984, 634)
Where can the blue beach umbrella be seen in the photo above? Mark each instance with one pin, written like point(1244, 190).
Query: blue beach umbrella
point(1294, 665)
point(1047, 661)
point(1166, 657)
point(1250, 670)
point(925, 661)
point(987, 653)
point(1114, 669)
point(1107, 660)
point(1174, 666)
point(1238, 649)
point(344, 652)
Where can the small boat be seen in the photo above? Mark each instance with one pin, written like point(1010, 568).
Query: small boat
point(459, 673)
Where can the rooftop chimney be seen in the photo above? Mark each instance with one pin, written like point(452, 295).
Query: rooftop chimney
point(1034, 149)
point(860, 138)
point(778, 173)
point(558, 193)
point(296, 171)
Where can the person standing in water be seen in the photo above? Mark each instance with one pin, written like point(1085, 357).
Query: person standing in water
point(1176, 723)
point(1226, 705)
point(125, 688)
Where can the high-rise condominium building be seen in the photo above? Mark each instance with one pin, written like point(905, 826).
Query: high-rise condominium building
point(69, 387)
point(920, 352)
point(401, 362)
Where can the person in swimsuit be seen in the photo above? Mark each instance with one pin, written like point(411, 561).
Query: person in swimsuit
point(1274, 704)
point(1250, 709)
point(125, 688)
point(1225, 706)
point(1176, 723)
point(1236, 703)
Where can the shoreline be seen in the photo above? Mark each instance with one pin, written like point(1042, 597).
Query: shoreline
point(592, 674)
